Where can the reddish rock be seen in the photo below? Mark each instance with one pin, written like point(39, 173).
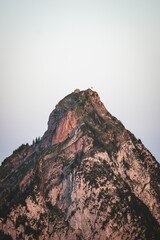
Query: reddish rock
point(87, 178)
point(64, 127)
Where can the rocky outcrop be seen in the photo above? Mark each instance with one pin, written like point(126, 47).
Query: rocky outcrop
point(65, 128)
point(87, 178)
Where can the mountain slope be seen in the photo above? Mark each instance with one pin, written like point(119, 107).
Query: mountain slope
point(87, 178)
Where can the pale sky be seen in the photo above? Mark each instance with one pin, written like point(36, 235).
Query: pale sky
point(50, 47)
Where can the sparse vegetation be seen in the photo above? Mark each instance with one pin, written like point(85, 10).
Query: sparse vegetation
point(83, 184)
point(5, 236)
point(36, 141)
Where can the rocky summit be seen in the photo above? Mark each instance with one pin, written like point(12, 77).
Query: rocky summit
point(86, 178)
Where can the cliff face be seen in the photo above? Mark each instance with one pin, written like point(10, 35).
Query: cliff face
point(87, 178)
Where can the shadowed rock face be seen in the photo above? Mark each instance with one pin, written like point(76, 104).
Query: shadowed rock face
point(87, 178)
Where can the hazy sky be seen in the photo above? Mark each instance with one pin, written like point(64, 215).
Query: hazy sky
point(48, 48)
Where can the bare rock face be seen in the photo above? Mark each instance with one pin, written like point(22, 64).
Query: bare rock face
point(87, 178)
point(64, 128)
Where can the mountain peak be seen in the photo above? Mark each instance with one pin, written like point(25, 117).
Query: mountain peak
point(77, 97)
point(87, 178)
point(70, 112)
